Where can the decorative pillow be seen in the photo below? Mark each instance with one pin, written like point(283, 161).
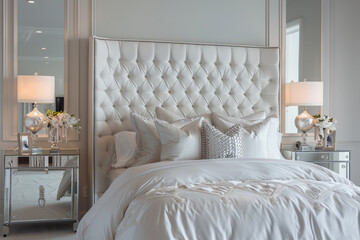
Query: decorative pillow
point(216, 144)
point(217, 120)
point(273, 138)
point(252, 117)
point(170, 117)
point(179, 143)
point(125, 148)
point(65, 182)
point(147, 139)
point(256, 140)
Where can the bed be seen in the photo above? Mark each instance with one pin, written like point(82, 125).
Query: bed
point(207, 162)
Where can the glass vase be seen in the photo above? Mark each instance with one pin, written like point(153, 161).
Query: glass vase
point(54, 136)
point(318, 136)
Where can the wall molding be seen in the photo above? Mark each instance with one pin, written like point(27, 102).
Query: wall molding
point(9, 67)
point(9, 70)
point(101, 22)
point(267, 23)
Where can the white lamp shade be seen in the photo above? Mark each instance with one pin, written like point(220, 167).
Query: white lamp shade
point(39, 89)
point(304, 94)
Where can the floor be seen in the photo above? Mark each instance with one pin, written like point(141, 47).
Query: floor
point(56, 231)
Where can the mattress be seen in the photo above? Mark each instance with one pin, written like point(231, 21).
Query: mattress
point(114, 173)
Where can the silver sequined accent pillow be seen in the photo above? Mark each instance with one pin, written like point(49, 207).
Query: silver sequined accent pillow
point(216, 144)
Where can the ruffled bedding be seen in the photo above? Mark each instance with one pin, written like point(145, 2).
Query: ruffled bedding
point(226, 199)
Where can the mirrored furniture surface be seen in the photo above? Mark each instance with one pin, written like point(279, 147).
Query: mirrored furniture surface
point(36, 40)
point(40, 188)
point(303, 39)
point(337, 161)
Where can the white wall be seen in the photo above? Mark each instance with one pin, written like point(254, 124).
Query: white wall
point(344, 82)
point(207, 21)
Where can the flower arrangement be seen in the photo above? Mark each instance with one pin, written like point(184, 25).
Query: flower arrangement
point(62, 120)
point(325, 128)
point(325, 122)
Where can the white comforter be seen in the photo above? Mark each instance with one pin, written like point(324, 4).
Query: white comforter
point(226, 199)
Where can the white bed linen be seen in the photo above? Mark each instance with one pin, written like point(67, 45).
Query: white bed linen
point(113, 174)
point(226, 199)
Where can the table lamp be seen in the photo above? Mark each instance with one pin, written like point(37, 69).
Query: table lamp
point(304, 94)
point(35, 89)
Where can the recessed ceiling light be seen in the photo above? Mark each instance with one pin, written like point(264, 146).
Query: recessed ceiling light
point(43, 48)
point(46, 62)
point(31, 1)
point(46, 57)
point(38, 31)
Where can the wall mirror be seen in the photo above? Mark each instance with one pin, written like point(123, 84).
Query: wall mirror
point(40, 48)
point(303, 44)
point(39, 36)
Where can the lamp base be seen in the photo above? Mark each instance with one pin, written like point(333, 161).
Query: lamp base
point(34, 120)
point(304, 122)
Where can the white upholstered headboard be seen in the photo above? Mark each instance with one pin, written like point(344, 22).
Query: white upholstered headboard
point(189, 79)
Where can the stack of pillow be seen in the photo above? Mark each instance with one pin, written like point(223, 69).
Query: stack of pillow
point(171, 137)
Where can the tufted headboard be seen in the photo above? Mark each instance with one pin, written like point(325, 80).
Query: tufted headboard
point(189, 79)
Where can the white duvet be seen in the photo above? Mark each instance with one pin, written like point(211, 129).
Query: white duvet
point(226, 199)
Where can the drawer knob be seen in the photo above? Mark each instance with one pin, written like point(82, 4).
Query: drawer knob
point(323, 156)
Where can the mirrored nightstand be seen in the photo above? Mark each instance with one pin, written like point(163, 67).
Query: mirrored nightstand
point(337, 161)
point(40, 188)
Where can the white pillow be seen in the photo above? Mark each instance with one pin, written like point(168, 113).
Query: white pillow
point(125, 148)
point(180, 143)
point(147, 139)
point(217, 118)
point(252, 117)
point(171, 117)
point(273, 138)
point(65, 183)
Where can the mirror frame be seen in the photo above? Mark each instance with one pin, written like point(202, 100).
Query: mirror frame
point(325, 63)
point(8, 49)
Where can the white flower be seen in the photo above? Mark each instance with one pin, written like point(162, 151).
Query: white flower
point(62, 120)
point(72, 121)
point(326, 124)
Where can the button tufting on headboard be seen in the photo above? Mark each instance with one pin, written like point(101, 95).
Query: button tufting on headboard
point(189, 79)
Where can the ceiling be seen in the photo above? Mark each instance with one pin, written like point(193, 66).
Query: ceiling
point(42, 13)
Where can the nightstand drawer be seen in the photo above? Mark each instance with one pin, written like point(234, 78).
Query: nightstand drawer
point(37, 194)
point(321, 156)
point(341, 168)
point(337, 161)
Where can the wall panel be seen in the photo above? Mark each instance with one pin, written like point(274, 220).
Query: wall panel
point(207, 21)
